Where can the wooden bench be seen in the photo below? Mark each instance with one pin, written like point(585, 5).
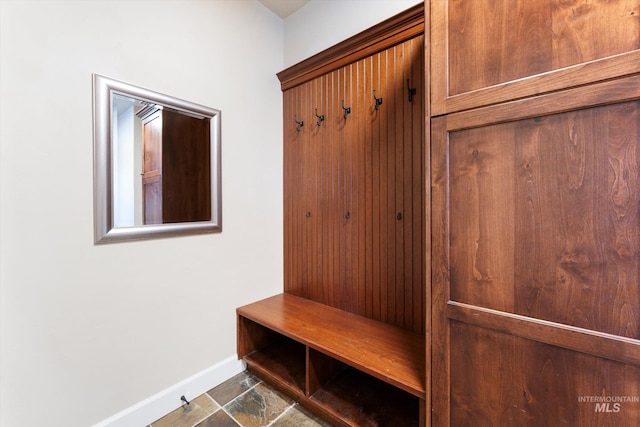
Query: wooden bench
point(347, 368)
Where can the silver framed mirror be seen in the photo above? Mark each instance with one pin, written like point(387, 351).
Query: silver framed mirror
point(156, 163)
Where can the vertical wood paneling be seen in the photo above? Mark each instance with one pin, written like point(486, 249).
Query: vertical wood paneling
point(418, 185)
point(375, 269)
point(381, 117)
point(339, 202)
point(405, 219)
point(294, 143)
point(288, 157)
point(362, 181)
point(392, 153)
point(308, 184)
point(347, 242)
point(330, 232)
point(372, 150)
point(358, 210)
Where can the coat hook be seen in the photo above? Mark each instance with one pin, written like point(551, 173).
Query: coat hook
point(378, 100)
point(347, 215)
point(412, 91)
point(347, 110)
point(300, 123)
point(320, 118)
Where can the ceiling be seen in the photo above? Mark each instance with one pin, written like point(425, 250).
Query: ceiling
point(284, 8)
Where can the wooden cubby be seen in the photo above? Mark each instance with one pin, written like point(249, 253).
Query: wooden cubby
point(349, 369)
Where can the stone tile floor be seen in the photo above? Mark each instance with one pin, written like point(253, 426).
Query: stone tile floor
point(245, 401)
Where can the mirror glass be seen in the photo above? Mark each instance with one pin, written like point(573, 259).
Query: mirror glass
point(156, 164)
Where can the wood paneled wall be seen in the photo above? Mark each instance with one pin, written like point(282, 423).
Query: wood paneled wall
point(354, 187)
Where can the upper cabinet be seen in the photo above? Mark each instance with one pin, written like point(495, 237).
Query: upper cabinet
point(486, 52)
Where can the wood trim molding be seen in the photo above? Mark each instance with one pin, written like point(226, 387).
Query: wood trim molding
point(620, 90)
point(593, 72)
point(600, 344)
point(392, 31)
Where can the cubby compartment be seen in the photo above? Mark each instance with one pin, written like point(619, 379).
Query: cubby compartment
point(273, 356)
point(358, 399)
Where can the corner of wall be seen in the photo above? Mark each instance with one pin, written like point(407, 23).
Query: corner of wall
point(145, 412)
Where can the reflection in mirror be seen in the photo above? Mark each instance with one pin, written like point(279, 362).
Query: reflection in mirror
point(156, 164)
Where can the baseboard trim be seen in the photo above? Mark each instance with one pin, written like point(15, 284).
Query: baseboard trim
point(160, 404)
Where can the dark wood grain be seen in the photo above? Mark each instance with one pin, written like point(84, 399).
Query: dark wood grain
point(555, 193)
point(505, 380)
point(536, 258)
point(486, 52)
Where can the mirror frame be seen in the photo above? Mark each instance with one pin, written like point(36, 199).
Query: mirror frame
point(104, 231)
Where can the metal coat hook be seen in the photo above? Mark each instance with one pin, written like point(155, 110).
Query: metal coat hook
point(347, 110)
point(412, 91)
point(320, 118)
point(299, 123)
point(378, 100)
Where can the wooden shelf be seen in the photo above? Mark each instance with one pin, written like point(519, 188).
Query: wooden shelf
point(391, 354)
point(361, 400)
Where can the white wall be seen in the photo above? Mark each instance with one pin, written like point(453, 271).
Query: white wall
point(321, 24)
point(86, 330)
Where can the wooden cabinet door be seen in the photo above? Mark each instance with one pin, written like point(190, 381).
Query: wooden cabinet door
point(186, 168)
point(152, 168)
point(394, 172)
point(490, 51)
point(536, 261)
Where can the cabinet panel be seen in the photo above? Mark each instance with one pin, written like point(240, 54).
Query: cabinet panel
point(557, 194)
point(536, 258)
point(486, 51)
point(503, 380)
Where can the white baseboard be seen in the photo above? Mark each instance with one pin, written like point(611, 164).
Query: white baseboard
point(143, 413)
